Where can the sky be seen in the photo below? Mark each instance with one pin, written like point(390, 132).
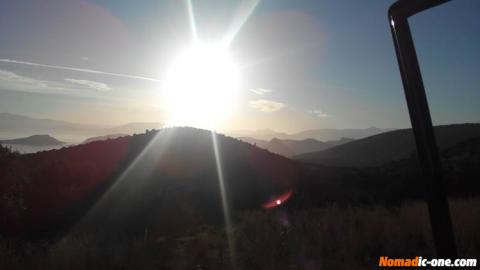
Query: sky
point(303, 64)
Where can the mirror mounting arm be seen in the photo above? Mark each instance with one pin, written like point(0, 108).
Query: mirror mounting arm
point(421, 121)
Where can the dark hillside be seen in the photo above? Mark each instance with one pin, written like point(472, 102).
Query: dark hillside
point(153, 179)
point(385, 147)
point(390, 183)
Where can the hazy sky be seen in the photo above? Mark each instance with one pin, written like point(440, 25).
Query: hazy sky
point(303, 65)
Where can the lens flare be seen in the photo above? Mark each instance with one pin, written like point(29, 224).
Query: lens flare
point(277, 200)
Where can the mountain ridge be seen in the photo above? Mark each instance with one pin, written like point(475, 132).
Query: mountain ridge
point(389, 146)
point(173, 166)
point(290, 147)
point(102, 138)
point(34, 140)
point(15, 125)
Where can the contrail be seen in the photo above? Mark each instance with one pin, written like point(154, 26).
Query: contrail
point(80, 70)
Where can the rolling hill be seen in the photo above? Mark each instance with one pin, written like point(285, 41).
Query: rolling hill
point(135, 182)
point(14, 125)
point(132, 128)
point(390, 146)
point(35, 140)
point(290, 148)
point(168, 181)
point(105, 137)
point(337, 134)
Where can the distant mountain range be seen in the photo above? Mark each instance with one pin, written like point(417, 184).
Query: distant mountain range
point(20, 123)
point(34, 140)
point(13, 125)
point(390, 146)
point(102, 138)
point(290, 148)
point(327, 134)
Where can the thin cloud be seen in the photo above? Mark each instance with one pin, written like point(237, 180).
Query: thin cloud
point(267, 106)
point(79, 70)
point(319, 113)
point(14, 78)
point(260, 91)
point(91, 84)
point(13, 81)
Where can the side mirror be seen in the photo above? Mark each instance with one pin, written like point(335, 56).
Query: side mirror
point(428, 155)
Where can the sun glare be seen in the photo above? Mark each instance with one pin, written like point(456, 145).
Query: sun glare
point(201, 86)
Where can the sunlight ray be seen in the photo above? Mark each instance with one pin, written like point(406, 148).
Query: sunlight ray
point(191, 19)
point(281, 54)
point(226, 211)
point(124, 175)
point(243, 13)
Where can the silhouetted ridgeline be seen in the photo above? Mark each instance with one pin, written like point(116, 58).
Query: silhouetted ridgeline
point(39, 187)
point(290, 148)
point(167, 181)
point(389, 146)
point(14, 125)
point(103, 138)
point(153, 180)
point(37, 140)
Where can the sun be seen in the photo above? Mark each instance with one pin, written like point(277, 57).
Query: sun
point(201, 86)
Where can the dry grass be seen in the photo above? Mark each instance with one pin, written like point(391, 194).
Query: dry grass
point(331, 237)
point(351, 237)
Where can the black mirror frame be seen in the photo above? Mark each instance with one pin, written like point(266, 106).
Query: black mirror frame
point(421, 121)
